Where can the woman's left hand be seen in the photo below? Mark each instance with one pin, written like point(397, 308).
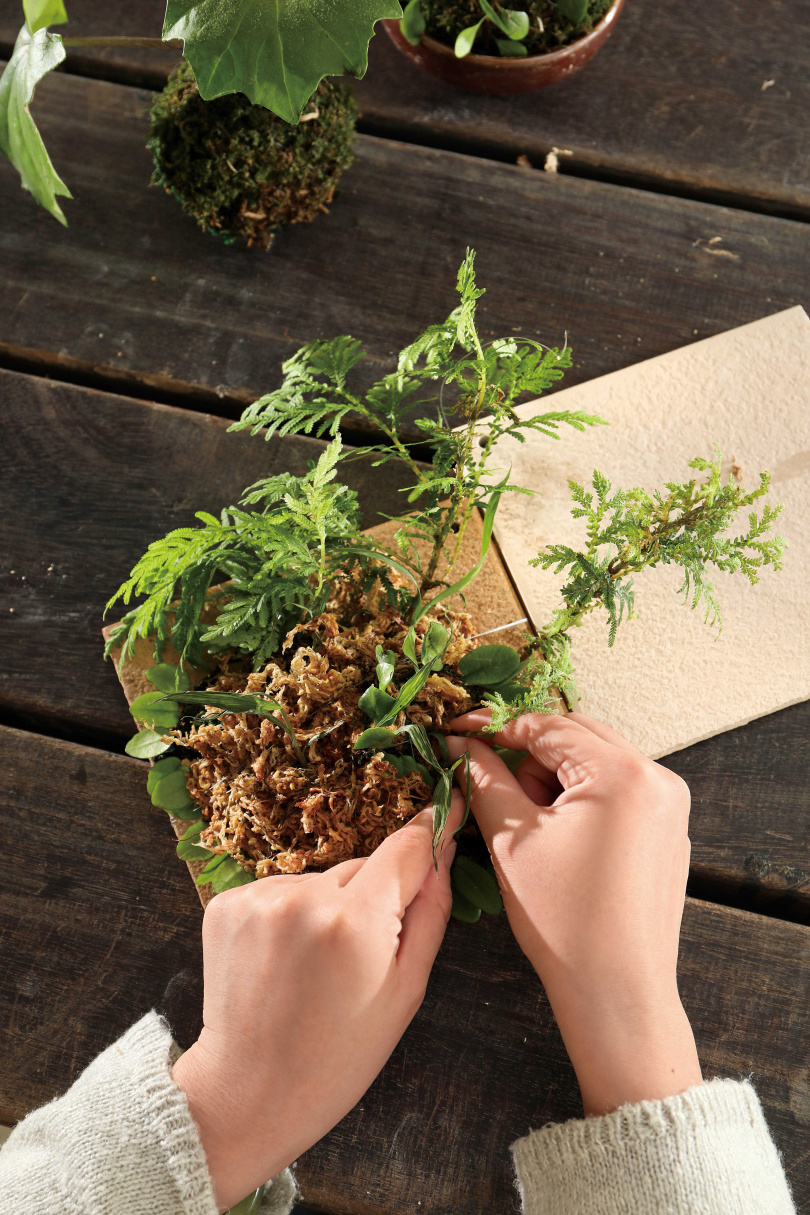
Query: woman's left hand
point(310, 981)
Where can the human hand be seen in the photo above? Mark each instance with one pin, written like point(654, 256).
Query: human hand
point(590, 845)
point(310, 981)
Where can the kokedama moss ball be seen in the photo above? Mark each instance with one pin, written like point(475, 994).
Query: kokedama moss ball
point(548, 28)
point(239, 170)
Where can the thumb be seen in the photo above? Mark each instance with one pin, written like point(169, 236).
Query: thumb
point(498, 801)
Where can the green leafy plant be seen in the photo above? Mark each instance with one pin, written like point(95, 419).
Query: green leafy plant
point(489, 27)
point(239, 584)
point(275, 54)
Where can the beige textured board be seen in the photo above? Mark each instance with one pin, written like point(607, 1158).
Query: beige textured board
point(670, 680)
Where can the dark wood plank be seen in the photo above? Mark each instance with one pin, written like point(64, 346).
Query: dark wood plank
point(751, 813)
point(89, 479)
point(673, 99)
point(97, 921)
point(87, 863)
point(133, 290)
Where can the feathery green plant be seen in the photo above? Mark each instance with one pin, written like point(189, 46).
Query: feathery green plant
point(271, 562)
point(632, 530)
point(278, 563)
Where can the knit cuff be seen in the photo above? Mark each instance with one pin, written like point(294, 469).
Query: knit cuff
point(121, 1140)
point(706, 1150)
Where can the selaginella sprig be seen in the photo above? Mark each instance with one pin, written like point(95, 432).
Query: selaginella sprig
point(628, 531)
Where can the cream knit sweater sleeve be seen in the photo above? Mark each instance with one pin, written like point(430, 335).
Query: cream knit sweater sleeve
point(120, 1142)
point(706, 1152)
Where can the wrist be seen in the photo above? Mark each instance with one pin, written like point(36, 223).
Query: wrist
point(219, 1115)
point(622, 1056)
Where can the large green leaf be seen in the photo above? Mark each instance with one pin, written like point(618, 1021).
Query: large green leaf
point(276, 52)
point(34, 56)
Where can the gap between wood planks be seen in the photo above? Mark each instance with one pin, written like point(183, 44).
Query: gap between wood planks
point(161, 390)
point(142, 78)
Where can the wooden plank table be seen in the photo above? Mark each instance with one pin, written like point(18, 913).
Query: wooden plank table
point(669, 121)
point(675, 100)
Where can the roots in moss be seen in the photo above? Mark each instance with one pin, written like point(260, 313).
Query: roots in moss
point(262, 807)
point(548, 28)
point(239, 170)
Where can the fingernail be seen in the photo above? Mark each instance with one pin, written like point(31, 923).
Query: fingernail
point(456, 746)
point(447, 853)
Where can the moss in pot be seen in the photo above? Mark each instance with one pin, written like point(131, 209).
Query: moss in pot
point(333, 663)
point(485, 47)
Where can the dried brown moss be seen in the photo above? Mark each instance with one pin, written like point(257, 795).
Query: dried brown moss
point(549, 29)
point(239, 170)
point(267, 811)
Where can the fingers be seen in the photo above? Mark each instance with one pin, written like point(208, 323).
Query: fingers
point(559, 744)
point(394, 874)
point(537, 782)
point(425, 919)
point(602, 731)
point(496, 794)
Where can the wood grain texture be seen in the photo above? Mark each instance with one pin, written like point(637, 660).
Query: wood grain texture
point(99, 923)
point(750, 823)
point(96, 478)
point(89, 479)
point(133, 290)
point(675, 98)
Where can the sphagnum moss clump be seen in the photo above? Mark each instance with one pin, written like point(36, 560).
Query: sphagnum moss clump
point(239, 170)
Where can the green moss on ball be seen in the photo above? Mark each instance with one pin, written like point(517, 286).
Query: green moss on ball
point(239, 170)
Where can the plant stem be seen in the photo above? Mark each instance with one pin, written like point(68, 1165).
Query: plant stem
point(175, 44)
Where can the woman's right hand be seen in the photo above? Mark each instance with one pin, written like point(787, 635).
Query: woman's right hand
point(591, 850)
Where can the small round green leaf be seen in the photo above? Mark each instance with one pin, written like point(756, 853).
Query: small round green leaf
point(511, 50)
point(515, 23)
point(162, 768)
point(375, 704)
point(193, 832)
point(463, 909)
point(146, 745)
point(187, 850)
point(489, 665)
point(412, 25)
point(162, 717)
point(190, 811)
point(466, 39)
point(434, 643)
point(375, 739)
point(210, 869)
point(167, 678)
point(574, 10)
point(171, 793)
point(230, 874)
point(477, 885)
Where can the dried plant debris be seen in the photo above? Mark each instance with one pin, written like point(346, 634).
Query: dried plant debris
point(262, 807)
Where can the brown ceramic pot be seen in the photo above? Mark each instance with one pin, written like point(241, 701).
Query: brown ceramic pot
point(498, 74)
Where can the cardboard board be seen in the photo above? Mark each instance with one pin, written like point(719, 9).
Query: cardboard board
point(670, 680)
